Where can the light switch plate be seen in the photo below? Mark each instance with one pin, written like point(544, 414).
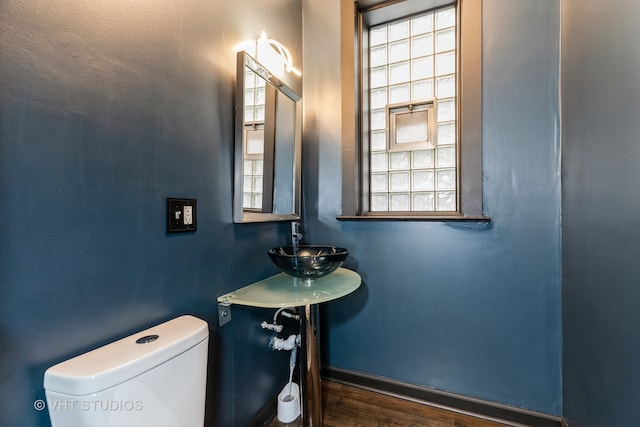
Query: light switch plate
point(181, 215)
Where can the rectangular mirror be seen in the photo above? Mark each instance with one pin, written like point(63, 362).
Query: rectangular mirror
point(268, 145)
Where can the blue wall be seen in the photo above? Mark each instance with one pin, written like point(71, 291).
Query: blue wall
point(601, 211)
point(463, 308)
point(107, 109)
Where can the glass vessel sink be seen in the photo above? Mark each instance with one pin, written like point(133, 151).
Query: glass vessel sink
point(308, 262)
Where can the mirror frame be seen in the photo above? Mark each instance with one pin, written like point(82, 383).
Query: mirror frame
point(239, 214)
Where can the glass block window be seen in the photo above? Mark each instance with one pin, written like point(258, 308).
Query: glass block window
point(413, 62)
point(254, 113)
point(252, 191)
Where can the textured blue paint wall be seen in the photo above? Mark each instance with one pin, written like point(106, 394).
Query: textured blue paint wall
point(107, 109)
point(601, 211)
point(460, 308)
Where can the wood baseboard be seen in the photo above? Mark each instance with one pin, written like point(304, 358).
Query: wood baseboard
point(476, 407)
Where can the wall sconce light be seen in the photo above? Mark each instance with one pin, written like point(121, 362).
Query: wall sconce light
point(270, 53)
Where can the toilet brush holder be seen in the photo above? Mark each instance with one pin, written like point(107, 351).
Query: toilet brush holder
point(289, 403)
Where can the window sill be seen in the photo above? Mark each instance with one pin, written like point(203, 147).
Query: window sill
point(431, 218)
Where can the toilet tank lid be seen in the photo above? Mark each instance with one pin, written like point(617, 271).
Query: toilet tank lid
point(125, 359)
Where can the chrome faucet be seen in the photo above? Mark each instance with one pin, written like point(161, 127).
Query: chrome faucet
point(296, 235)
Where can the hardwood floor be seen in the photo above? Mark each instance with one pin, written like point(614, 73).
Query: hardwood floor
point(346, 406)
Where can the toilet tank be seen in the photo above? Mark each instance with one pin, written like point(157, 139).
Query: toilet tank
point(156, 377)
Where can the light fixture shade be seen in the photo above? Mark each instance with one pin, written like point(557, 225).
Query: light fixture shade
point(271, 58)
point(271, 54)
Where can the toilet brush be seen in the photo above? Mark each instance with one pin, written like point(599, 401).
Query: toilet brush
point(289, 407)
point(292, 365)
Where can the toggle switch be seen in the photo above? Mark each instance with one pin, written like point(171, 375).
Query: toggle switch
point(181, 215)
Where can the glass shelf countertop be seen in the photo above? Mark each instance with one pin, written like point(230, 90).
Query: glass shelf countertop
point(283, 290)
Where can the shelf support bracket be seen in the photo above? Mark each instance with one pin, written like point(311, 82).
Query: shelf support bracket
point(224, 313)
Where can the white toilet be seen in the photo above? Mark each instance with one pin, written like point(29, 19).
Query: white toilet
point(156, 377)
